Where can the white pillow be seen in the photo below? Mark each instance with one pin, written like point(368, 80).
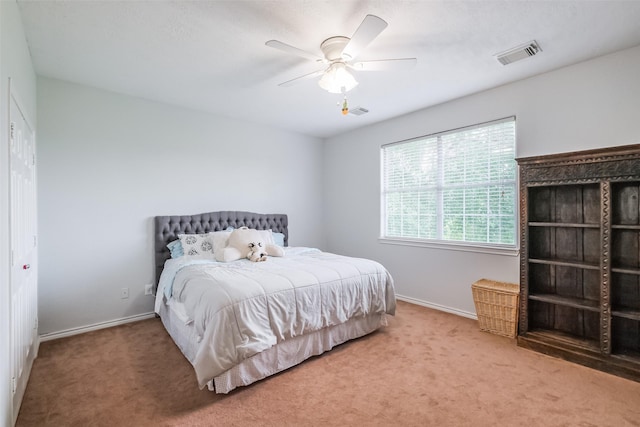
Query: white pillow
point(219, 239)
point(196, 244)
point(267, 236)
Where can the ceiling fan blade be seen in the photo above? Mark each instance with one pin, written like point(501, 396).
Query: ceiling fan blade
point(385, 64)
point(368, 30)
point(293, 50)
point(301, 78)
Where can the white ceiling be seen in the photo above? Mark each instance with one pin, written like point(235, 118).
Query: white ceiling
point(211, 55)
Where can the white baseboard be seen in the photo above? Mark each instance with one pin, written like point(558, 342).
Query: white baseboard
point(96, 326)
point(444, 308)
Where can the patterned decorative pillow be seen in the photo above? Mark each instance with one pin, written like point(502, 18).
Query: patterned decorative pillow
point(196, 244)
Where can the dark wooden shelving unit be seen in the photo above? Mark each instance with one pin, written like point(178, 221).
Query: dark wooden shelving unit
point(580, 257)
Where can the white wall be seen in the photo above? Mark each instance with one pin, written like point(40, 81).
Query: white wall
point(108, 163)
point(589, 105)
point(15, 63)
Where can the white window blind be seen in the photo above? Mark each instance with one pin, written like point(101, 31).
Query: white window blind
point(455, 186)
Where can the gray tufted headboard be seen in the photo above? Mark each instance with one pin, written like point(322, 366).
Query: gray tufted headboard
point(167, 228)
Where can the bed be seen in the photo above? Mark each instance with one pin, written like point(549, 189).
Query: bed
point(242, 321)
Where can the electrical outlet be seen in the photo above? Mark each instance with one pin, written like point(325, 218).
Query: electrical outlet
point(148, 289)
point(124, 293)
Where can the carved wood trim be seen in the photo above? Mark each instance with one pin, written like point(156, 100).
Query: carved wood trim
point(605, 270)
point(587, 156)
point(523, 321)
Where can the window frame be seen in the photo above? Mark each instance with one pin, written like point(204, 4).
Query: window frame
point(481, 247)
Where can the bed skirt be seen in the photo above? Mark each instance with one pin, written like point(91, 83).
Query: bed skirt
point(275, 359)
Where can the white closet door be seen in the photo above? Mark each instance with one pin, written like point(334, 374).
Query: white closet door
point(24, 261)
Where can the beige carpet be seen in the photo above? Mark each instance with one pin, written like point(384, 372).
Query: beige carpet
point(427, 368)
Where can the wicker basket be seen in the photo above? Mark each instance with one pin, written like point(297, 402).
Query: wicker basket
point(497, 306)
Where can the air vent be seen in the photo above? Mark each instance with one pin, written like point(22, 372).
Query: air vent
point(520, 52)
point(358, 111)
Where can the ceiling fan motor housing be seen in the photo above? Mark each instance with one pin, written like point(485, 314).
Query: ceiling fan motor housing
point(333, 47)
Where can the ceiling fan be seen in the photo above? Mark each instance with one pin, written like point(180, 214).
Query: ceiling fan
point(340, 54)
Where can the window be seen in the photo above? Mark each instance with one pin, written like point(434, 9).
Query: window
point(452, 187)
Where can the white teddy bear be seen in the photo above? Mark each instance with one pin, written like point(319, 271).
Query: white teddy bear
point(239, 246)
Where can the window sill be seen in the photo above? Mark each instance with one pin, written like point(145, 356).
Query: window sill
point(451, 246)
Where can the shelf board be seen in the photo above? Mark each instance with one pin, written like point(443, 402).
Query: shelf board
point(562, 224)
point(625, 227)
point(635, 271)
point(627, 314)
point(581, 303)
point(576, 264)
point(557, 336)
point(627, 355)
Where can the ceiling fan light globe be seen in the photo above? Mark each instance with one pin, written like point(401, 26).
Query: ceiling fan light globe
point(337, 79)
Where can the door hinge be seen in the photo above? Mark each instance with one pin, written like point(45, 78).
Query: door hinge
point(35, 326)
point(14, 385)
point(12, 131)
point(33, 159)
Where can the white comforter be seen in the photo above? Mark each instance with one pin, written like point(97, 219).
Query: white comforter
point(242, 308)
